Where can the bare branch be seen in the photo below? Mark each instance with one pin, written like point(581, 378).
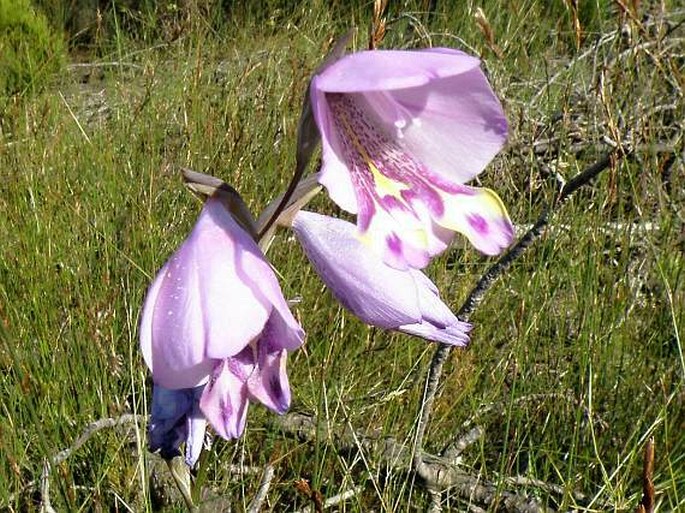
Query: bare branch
point(486, 281)
point(268, 476)
point(61, 456)
point(437, 474)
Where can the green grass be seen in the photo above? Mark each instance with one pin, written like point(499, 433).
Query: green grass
point(576, 355)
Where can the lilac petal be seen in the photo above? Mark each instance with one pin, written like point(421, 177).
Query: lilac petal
point(401, 238)
point(159, 350)
point(145, 329)
point(334, 174)
point(438, 323)
point(451, 335)
point(307, 133)
point(268, 384)
point(189, 315)
point(379, 295)
point(378, 70)
point(268, 291)
point(224, 401)
point(454, 127)
point(169, 418)
point(360, 280)
point(229, 259)
point(480, 215)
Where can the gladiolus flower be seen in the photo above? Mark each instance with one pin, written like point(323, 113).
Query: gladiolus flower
point(379, 295)
point(402, 131)
point(215, 316)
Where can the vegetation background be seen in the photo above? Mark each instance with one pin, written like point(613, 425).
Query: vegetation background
point(576, 356)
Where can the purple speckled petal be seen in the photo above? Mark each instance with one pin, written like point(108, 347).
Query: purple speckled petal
point(224, 401)
point(401, 131)
point(379, 295)
point(334, 173)
point(376, 70)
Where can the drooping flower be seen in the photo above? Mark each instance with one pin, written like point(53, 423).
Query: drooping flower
point(402, 131)
point(175, 418)
point(402, 300)
point(215, 317)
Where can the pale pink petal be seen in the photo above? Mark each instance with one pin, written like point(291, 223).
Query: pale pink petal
point(379, 295)
point(233, 310)
point(172, 344)
point(145, 328)
point(438, 323)
point(259, 276)
point(454, 127)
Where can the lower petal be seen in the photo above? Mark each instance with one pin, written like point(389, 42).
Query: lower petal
point(452, 335)
point(480, 215)
point(224, 401)
point(400, 237)
point(268, 384)
point(438, 323)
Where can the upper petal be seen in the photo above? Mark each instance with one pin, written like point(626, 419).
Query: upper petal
point(232, 271)
point(454, 126)
point(379, 295)
point(175, 358)
point(202, 306)
point(376, 70)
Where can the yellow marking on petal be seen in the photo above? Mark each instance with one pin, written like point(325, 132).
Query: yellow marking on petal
point(485, 203)
point(385, 185)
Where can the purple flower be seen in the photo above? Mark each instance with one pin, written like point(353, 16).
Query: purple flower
point(215, 316)
point(176, 418)
point(402, 131)
point(379, 295)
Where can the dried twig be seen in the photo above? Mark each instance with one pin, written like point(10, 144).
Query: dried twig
point(268, 476)
point(61, 456)
point(437, 473)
